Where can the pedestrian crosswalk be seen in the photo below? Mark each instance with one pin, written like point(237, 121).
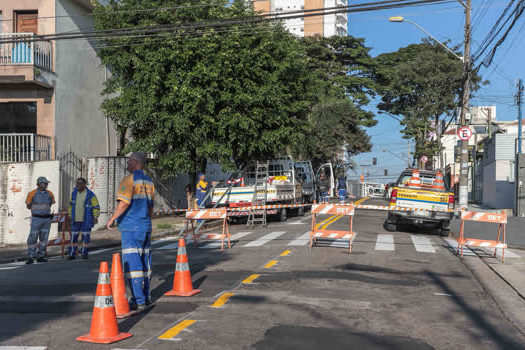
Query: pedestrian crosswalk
point(380, 242)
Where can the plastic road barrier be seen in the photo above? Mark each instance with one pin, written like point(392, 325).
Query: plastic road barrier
point(494, 218)
point(332, 209)
point(210, 214)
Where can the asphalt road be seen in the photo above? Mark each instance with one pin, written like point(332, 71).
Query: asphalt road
point(402, 290)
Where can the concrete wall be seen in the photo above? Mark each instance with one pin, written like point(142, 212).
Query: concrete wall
point(16, 180)
point(80, 124)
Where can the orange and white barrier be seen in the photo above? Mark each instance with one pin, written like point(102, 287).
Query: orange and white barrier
point(210, 214)
point(494, 218)
point(386, 207)
point(332, 209)
point(61, 218)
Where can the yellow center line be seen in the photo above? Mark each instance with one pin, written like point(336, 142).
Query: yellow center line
point(361, 200)
point(251, 278)
point(170, 333)
point(285, 253)
point(270, 264)
point(331, 222)
point(222, 300)
point(325, 220)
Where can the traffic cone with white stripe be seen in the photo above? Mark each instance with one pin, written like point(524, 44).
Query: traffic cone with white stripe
point(104, 326)
point(118, 287)
point(415, 180)
point(438, 183)
point(182, 285)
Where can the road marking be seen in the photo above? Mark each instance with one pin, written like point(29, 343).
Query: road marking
point(385, 242)
point(331, 222)
point(265, 239)
point(508, 253)
point(285, 253)
point(423, 244)
point(10, 267)
point(217, 244)
point(357, 202)
point(251, 278)
point(9, 347)
point(101, 251)
point(454, 245)
point(159, 241)
point(170, 333)
point(325, 220)
point(301, 240)
point(222, 300)
point(170, 246)
point(342, 242)
point(270, 264)
point(443, 294)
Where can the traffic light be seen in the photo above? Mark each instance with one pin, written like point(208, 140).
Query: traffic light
point(386, 172)
point(374, 161)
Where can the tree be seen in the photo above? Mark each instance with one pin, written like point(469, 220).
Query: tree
point(344, 69)
point(229, 95)
point(421, 82)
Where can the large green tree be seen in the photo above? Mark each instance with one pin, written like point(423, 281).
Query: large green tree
point(344, 70)
point(231, 94)
point(422, 83)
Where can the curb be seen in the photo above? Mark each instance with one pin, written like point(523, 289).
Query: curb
point(161, 234)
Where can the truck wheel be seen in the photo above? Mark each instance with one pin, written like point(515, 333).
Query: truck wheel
point(282, 215)
point(390, 227)
point(300, 211)
point(444, 232)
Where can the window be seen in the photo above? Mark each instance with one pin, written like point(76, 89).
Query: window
point(26, 22)
point(18, 117)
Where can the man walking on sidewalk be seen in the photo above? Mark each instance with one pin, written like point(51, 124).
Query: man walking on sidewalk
point(84, 211)
point(39, 201)
point(133, 215)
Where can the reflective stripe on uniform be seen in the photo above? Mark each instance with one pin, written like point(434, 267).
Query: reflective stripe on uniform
point(104, 301)
point(135, 274)
point(139, 251)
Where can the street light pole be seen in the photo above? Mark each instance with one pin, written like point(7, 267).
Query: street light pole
point(463, 175)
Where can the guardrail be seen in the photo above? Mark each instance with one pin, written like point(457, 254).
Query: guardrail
point(24, 147)
point(20, 52)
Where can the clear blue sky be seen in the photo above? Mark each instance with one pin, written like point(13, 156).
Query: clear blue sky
point(445, 22)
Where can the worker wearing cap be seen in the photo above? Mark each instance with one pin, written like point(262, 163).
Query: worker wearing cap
point(83, 211)
point(133, 215)
point(39, 201)
point(202, 188)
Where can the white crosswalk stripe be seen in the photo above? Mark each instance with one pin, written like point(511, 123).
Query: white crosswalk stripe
point(423, 244)
point(454, 245)
point(341, 242)
point(16, 347)
point(217, 243)
point(301, 240)
point(265, 239)
point(385, 242)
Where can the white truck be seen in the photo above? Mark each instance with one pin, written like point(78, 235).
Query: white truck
point(327, 183)
point(306, 175)
point(283, 187)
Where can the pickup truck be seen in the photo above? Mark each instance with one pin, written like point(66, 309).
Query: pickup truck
point(437, 205)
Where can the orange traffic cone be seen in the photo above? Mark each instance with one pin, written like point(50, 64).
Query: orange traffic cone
point(104, 326)
point(415, 181)
point(242, 181)
point(118, 286)
point(182, 285)
point(438, 183)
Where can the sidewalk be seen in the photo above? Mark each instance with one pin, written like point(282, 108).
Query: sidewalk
point(101, 239)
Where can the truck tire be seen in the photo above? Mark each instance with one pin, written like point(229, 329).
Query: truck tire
point(282, 215)
point(300, 211)
point(390, 227)
point(444, 232)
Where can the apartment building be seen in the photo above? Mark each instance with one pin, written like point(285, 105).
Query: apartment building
point(327, 25)
point(50, 90)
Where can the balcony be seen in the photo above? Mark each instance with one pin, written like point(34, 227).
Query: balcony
point(25, 53)
point(24, 148)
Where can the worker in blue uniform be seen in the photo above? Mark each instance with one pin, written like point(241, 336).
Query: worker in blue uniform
point(202, 188)
point(39, 201)
point(341, 187)
point(133, 215)
point(84, 211)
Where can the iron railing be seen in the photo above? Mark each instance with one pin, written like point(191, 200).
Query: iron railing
point(24, 147)
point(20, 52)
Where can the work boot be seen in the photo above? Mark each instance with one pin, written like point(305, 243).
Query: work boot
point(71, 257)
point(29, 261)
point(40, 260)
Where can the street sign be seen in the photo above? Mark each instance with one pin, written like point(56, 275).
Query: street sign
point(464, 133)
point(424, 159)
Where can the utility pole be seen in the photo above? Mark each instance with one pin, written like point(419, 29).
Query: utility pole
point(519, 97)
point(463, 175)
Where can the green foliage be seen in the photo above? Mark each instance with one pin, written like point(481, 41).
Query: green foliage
point(421, 82)
point(223, 95)
point(343, 68)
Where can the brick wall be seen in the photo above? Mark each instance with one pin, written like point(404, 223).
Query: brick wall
point(16, 180)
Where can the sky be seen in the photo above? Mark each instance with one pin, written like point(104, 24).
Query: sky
point(445, 22)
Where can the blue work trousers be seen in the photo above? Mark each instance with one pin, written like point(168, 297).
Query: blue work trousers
point(136, 256)
point(37, 240)
point(77, 229)
point(342, 195)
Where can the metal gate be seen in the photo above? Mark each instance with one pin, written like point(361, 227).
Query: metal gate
point(70, 171)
